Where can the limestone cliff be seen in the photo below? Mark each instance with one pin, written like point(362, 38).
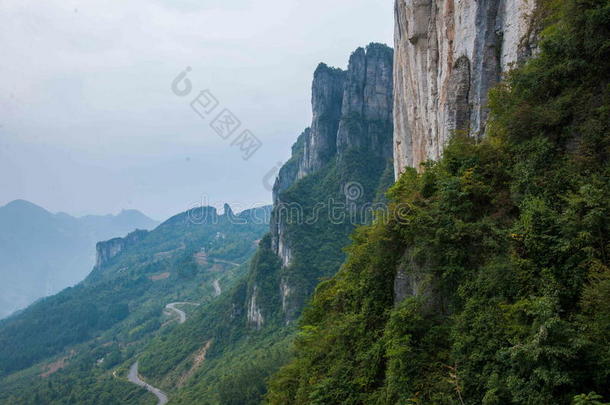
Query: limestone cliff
point(366, 111)
point(321, 142)
point(448, 54)
point(193, 218)
point(351, 110)
point(107, 250)
point(349, 142)
point(288, 174)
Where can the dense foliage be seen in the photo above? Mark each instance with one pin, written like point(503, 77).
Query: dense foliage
point(80, 384)
point(503, 245)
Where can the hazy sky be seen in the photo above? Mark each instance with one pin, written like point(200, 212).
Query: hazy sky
point(89, 124)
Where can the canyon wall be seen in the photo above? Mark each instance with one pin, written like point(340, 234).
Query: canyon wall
point(351, 127)
point(352, 110)
point(448, 54)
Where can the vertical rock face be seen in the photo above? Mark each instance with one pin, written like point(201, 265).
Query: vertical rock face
point(352, 115)
point(105, 251)
point(285, 293)
point(326, 95)
point(366, 113)
point(254, 316)
point(351, 110)
point(449, 53)
point(288, 174)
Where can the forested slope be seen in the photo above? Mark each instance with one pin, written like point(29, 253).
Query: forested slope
point(73, 347)
point(491, 283)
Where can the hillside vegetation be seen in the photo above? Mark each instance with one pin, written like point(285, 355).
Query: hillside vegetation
point(504, 243)
point(76, 346)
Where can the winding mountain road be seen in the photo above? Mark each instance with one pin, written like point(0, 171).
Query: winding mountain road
point(134, 377)
point(181, 314)
point(226, 262)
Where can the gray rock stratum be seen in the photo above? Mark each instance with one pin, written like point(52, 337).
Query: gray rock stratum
point(352, 109)
point(351, 129)
point(448, 54)
point(107, 250)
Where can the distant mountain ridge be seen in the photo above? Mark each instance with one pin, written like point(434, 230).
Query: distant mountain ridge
point(41, 252)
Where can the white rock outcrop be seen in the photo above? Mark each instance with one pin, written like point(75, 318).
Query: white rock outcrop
point(254, 316)
point(448, 54)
